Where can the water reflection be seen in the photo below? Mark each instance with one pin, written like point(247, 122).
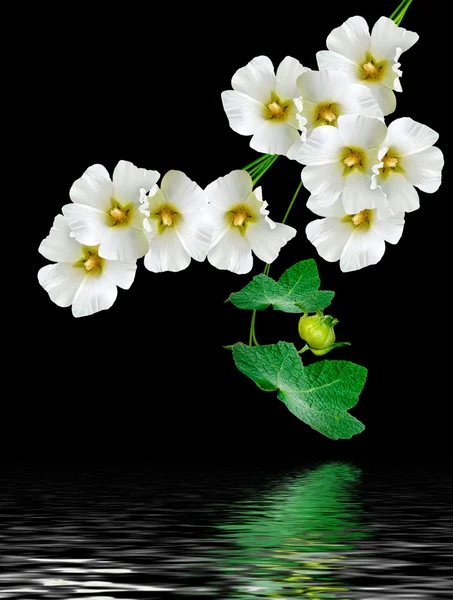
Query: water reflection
point(326, 531)
point(295, 541)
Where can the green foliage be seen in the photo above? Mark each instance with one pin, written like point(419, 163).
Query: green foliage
point(319, 394)
point(296, 291)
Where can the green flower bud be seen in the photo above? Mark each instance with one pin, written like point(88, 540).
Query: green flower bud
point(317, 331)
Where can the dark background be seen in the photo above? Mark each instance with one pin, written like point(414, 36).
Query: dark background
point(149, 377)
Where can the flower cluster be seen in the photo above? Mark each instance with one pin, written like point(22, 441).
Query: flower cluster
point(361, 173)
point(111, 223)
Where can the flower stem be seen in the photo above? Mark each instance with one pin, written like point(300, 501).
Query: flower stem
point(267, 165)
point(252, 337)
point(398, 14)
point(292, 201)
point(258, 160)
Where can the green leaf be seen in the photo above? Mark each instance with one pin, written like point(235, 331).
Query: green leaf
point(319, 394)
point(296, 291)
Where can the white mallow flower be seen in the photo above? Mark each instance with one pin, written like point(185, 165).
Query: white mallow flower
point(107, 212)
point(175, 223)
point(370, 59)
point(79, 275)
point(356, 240)
point(264, 104)
point(407, 159)
point(340, 161)
point(240, 224)
point(326, 95)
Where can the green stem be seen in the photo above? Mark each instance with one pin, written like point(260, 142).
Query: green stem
point(292, 201)
point(398, 14)
point(397, 9)
point(266, 166)
point(304, 349)
point(257, 160)
point(252, 337)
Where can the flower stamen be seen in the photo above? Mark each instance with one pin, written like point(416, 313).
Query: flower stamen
point(390, 162)
point(353, 159)
point(240, 217)
point(362, 217)
point(325, 113)
point(119, 215)
point(371, 70)
point(92, 262)
point(277, 110)
point(166, 216)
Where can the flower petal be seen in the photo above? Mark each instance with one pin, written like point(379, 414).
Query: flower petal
point(166, 253)
point(94, 188)
point(229, 190)
point(352, 39)
point(359, 99)
point(337, 62)
point(360, 131)
point(386, 37)
point(384, 96)
point(424, 169)
point(129, 179)
point(401, 194)
point(88, 225)
point(409, 137)
point(334, 210)
point(274, 137)
point(245, 114)
point(61, 281)
point(121, 272)
point(321, 86)
point(232, 253)
point(96, 293)
point(58, 245)
point(322, 147)
point(265, 242)
point(326, 182)
point(329, 236)
point(194, 234)
point(287, 73)
point(182, 192)
point(358, 195)
point(390, 229)
point(256, 79)
point(364, 248)
point(123, 243)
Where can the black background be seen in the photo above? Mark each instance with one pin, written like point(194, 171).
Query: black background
point(149, 377)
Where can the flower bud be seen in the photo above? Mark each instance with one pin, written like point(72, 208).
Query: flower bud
point(317, 330)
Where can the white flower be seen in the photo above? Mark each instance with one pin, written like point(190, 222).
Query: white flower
point(340, 161)
point(407, 159)
point(175, 223)
point(356, 240)
point(369, 59)
point(108, 213)
point(326, 95)
point(79, 276)
point(240, 224)
point(264, 104)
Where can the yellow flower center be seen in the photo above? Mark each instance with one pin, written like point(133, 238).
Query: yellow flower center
point(240, 217)
point(119, 215)
point(92, 262)
point(390, 162)
point(371, 70)
point(277, 110)
point(353, 159)
point(166, 216)
point(325, 113)
point(362, 217)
